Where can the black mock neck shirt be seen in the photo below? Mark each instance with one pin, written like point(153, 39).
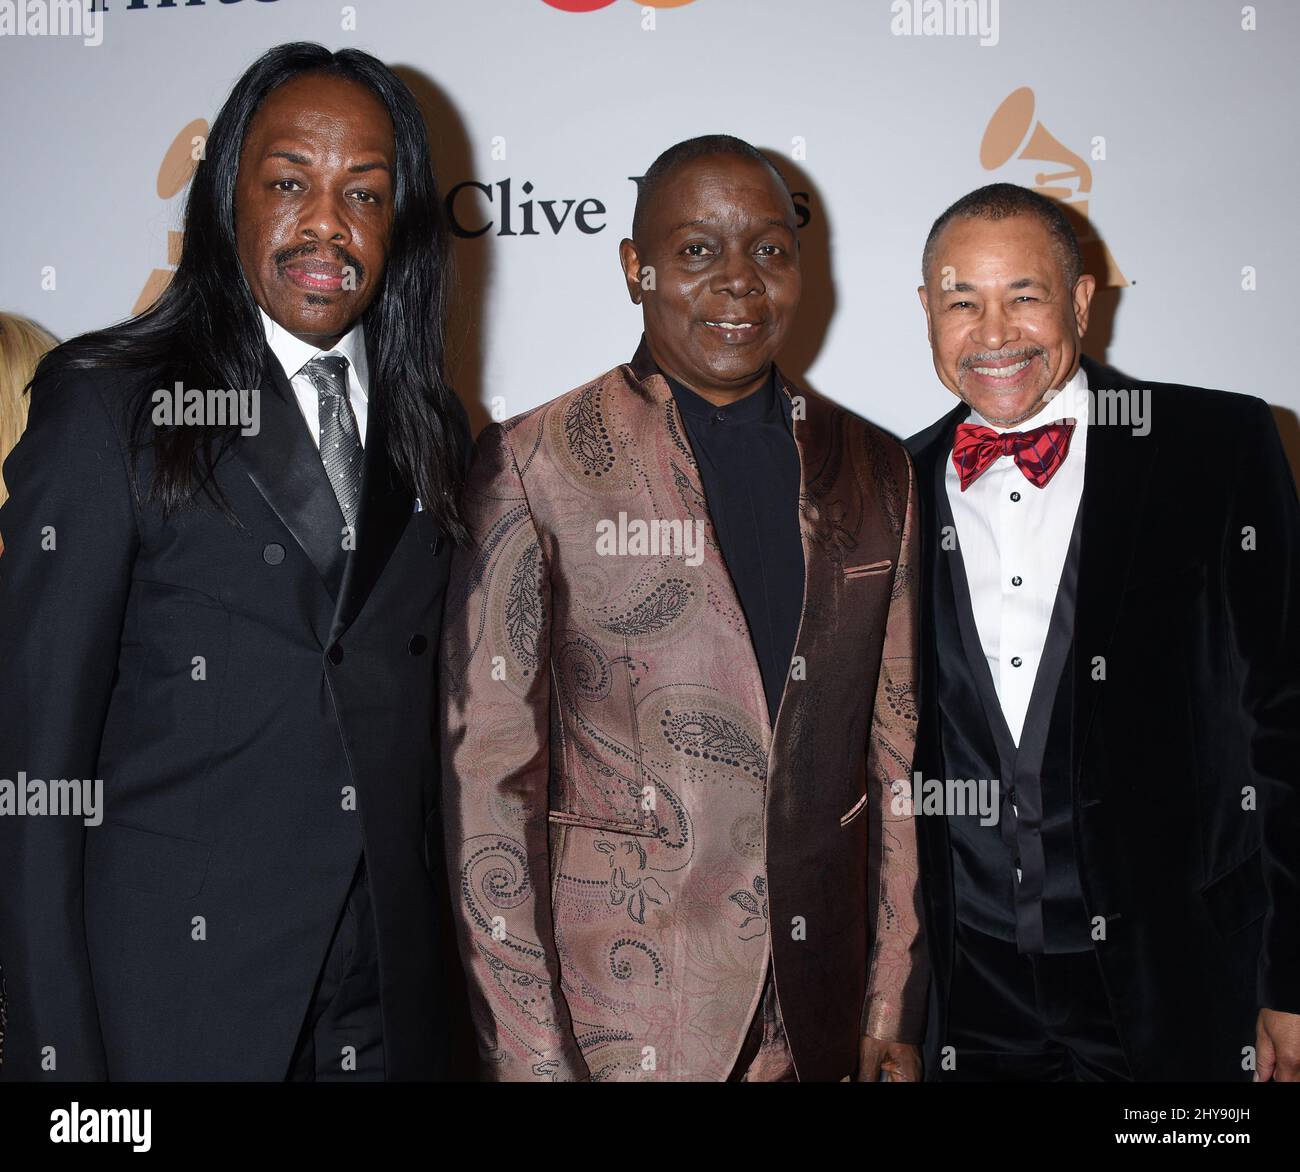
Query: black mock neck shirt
point(749, 466)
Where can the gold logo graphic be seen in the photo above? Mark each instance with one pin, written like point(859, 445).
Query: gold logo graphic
point(173, 174)
point(1012, 133)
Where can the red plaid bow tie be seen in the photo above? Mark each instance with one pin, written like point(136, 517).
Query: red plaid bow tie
point(1038, 453)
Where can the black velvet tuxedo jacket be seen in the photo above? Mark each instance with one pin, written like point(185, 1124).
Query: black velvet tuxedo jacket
point(1185, 759)
point(260, 708)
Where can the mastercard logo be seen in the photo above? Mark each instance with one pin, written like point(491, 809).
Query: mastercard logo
point(593, 5)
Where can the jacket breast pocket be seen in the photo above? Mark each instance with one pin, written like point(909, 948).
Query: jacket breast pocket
point(144, 860)
point(868, 569)
point(854, 811)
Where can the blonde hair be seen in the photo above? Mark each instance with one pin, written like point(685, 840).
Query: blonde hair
point(22, 343)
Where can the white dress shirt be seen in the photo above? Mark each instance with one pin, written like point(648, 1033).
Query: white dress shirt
point(1014, 538)
point(294, 354)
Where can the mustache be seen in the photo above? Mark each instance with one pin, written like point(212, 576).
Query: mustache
point(342, 257)
point(1001, 355)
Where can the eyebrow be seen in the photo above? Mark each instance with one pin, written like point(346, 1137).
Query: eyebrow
point(775, 222)
point(303, 161)
point(1022, 283)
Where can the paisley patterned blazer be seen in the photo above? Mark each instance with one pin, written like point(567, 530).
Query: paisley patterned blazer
point(629, 842)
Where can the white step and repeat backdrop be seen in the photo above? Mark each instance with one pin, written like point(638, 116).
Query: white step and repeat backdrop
point(1170, 124)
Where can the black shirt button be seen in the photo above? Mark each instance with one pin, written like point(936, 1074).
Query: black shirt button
point(273, 554)
point(335, 655)
point(417, 645)
point(719, 417)
point(1015, 496)
point(1016, 661)
point(1017, 580)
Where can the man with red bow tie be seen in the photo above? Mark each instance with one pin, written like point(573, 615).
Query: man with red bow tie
point(1110, 656)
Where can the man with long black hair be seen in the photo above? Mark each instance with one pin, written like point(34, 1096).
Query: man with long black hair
point(225, 553)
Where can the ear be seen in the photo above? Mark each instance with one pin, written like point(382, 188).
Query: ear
point(924, 295)
point(1084, 288)
point(630, 259)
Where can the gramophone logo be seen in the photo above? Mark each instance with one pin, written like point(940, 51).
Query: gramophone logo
point(173, 174)
point(1011, 134)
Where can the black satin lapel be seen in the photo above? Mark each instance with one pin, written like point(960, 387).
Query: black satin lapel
point(385, 510)
point(286, 467)
point(939, 447)
point(936, 583)
point(1116, 484)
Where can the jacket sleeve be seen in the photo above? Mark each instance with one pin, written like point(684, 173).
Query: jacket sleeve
point(1262, 588)
point(70, 537)
point(898, 972)
point(495, 770)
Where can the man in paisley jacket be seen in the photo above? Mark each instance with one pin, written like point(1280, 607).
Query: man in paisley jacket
point(679, 709)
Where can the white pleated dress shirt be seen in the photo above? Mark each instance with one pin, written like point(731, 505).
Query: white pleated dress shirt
point(1014, 538)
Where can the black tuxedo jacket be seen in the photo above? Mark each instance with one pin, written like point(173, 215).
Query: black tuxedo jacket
point(1185, 758)
point(259, 706)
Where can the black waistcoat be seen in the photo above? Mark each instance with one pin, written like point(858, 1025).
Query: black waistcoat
point(1041, 908)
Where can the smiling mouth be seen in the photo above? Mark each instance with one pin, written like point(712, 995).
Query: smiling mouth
point(733, 331)
point(318, 277)
point(1006, 374)
point(1002, 371)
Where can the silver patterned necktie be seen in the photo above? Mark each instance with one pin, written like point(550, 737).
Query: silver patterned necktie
point(340, 441)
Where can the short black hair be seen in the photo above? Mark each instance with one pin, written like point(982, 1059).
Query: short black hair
point(997, 201)
point(703, 147)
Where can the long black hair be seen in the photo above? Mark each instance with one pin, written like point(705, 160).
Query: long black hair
point(205, 327)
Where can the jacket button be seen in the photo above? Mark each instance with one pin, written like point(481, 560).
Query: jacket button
point(417, 645)
point(335, 655)
point(273, 554)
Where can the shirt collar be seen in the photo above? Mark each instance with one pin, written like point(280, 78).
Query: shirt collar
point(1070, 402)
point(293, 353)
point(760, 404)
point(653, 383)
